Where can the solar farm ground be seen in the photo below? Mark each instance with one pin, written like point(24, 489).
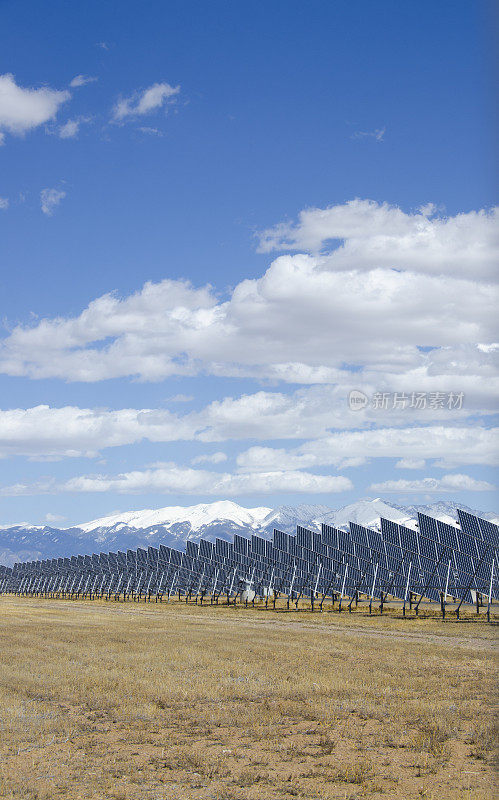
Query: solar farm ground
point(166, 702)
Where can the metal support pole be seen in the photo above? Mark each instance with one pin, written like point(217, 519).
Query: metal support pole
point(372, 590)
point(472, 579)
point(343, 587)
point(490, 589)
point(407, 587)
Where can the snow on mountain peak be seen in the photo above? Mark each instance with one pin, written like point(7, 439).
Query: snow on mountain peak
point(365, 512)
point(197, 516)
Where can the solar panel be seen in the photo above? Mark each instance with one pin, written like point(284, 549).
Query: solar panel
point(304, 537)
point(192, 548)
point(241, 545)
point(490, 532)
point(360, 533)
point(365, 561)
point(257, 545)
point(469, 524)
point(206, 549)
point(408, 539)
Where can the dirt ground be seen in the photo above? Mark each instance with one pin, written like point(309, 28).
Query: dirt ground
point(166, 702)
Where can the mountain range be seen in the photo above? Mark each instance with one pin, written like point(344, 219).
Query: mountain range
point(174, 525)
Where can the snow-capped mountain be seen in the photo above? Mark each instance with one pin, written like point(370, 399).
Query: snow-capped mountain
point(196, 516)
point(174, 525)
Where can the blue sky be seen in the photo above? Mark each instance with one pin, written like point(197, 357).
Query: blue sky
point(154, 145)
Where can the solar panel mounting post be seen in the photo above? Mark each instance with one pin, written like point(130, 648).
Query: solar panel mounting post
point(343, 586)
point(290, 595)
point(94, 585)
point(490, 589)
point(446, 589)
point(127, 590)
point(269, 588)
point(407, 587)
point(485, 551)
point(199, 586)
point(172, 584)
point(214, 585)
point(304, 585)
point(231, 585)
point(355, 595)
point(372, 590)
point(325, 594)
point(147, 593)
point(317, 579)
point(427, 585)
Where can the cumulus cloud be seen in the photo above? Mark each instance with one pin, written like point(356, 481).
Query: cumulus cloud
point(145, 101)
point(362, 234)
point(52, 518)
point(50, 199)
point(70, 432)
point(411, 463)
point(82, 80)
point(299, 323)
point(180, 398)
point(447, 483)
point(71, 128)
point(4, 203)
point(22, 109)
point(449, 445)
point(214, 458)
point(43, 432)
point(172, 479)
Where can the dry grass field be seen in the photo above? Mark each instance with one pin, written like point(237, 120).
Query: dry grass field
point(166, 702)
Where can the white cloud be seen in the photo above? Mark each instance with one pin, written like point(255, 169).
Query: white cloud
point(151, 131)
point(69, 432)
point(43, 433)
point(301, 322)
point(171, 479)
point(362, 234)
point(82, 80)
point(411, 463)
point(70, 129)
point(214, 458)
point(298, 323)
point(22, 109)
point(447, 483)
point(50, 199)
point(180, 398)
point(450, 445)
point(50, 518)
point(377, 134)
point(4, 203)
point(144, 101)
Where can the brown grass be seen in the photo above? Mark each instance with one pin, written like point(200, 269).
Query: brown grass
point(105, 700)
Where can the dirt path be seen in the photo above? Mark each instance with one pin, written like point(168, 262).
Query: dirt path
point(357, 632)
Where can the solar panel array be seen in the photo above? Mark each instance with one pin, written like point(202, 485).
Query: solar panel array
point(436, 561)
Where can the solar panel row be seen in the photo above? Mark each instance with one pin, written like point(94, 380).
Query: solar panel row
point(434, 561)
